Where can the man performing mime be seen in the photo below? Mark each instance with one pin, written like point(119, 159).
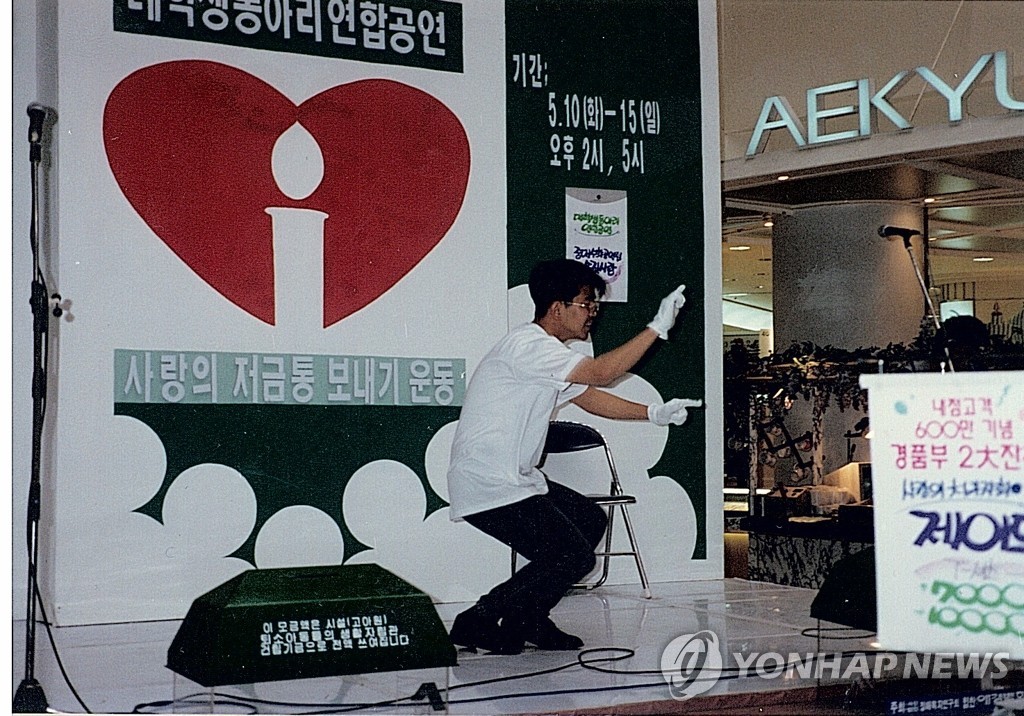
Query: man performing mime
point(493, 480)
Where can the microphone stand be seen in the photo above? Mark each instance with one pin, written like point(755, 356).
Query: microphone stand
point(30, 697)
point(928, 301)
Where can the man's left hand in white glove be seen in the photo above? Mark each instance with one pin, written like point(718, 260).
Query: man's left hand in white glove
point(673, 412)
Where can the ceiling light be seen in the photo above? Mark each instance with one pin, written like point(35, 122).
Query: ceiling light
point(930, 200)
point(983, 259)
point(740, 247)
point(769, 223)
point(733, 295)
point(783, 177)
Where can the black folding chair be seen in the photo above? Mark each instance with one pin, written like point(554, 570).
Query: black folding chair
point(571, 437)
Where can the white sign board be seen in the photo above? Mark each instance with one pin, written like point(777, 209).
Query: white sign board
point(595, 233)
point(948, 470)
point(223, 239)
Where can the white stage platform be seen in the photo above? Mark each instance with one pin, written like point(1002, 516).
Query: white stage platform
point(119, 667)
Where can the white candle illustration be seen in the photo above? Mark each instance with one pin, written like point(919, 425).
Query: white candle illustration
point(298, 167)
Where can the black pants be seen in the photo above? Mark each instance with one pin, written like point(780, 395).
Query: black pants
point(558, 533)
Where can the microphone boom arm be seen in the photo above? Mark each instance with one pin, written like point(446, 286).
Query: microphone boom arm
point(893, 231)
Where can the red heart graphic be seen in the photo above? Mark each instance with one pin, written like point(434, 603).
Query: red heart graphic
point(190, 144)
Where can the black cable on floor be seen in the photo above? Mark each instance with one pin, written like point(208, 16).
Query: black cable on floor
point(613, 654)
point(400, 701)
point(197, 699)
point(53, 645)
point(819, 633)
point(220, 699)
point(724, 674)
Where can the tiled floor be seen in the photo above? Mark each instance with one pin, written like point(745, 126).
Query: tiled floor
point(118, 667)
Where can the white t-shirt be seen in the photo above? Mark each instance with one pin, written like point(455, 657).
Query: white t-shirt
point(504, 420)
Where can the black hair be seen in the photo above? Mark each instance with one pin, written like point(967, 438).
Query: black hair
point(560, 280)
point(965, 332)
point(965, 337)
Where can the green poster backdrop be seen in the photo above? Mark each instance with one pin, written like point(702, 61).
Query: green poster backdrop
point(605, 95)
point(291, 454)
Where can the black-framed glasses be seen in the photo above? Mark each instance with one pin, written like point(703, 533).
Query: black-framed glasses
point(591, 306)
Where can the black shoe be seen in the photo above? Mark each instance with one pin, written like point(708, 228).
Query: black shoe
point(545, 635)
point(473, 630)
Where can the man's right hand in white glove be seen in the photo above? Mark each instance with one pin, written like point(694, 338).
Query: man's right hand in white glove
point(673, 412)
point(667, 312)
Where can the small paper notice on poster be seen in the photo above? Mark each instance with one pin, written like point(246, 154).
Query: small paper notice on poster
point(595, 234)
point(947, 457)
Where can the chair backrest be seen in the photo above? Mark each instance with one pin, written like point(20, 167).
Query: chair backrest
point(592, 473)
point(564, 436)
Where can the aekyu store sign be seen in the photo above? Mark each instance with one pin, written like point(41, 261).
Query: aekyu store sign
point(858, 98)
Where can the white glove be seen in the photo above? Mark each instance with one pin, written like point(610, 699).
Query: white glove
point(667, 312)
point(673, 412)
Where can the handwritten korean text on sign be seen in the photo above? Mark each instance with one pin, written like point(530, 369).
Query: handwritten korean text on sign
point(949, 510)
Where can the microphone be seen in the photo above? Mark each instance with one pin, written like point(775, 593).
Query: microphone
point(36, 117)
point(888, 232)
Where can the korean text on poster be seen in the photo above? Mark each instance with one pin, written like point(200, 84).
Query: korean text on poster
point(295, 637)
point(417, 33)
point(596, 234)
point(245, 378)
point(948, 465)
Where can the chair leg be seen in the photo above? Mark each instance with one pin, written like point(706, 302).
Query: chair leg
point(636, 553)
point(607, 554)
